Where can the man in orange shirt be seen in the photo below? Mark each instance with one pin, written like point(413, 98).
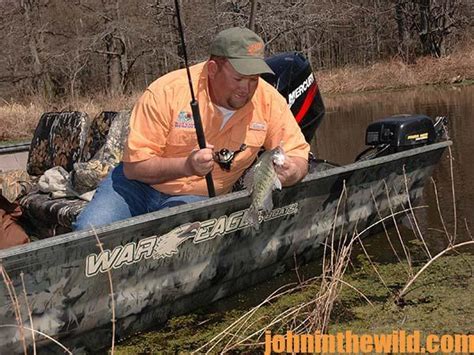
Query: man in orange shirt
point(162, 164)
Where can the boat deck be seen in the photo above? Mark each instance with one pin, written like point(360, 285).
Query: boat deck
point(13, 161)
point(14, 156)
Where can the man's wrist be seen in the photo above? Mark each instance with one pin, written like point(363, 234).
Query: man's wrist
point(187, 167)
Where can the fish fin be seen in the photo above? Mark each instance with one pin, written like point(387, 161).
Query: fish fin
point(268, 203)
point(249, 178)
point(277, 183)
point(256, 225)
point(251, 217)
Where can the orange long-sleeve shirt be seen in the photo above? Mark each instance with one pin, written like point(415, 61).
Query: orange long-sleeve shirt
point(162, 125)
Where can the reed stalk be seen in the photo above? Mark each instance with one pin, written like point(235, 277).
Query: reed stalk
point(30, 315)
point(392, 214)
point(112, 296)
point(40, 333)
point(431, 261)
point(453, 192)
point(450, 240)
point(389, 240)
point(412, 214)
point(16, 306)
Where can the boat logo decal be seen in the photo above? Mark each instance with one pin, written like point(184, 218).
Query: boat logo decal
point(300, 89)
point(165, 246)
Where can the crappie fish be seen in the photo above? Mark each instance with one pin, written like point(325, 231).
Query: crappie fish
point(261, 180)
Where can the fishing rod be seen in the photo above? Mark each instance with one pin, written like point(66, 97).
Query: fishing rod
point(194, 104)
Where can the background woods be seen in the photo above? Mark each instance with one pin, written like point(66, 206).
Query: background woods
point(57, 48)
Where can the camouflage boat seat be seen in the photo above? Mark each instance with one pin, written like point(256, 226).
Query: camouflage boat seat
point(58, 141)
point(103, 150)
point(88, 153)
point(48, 217)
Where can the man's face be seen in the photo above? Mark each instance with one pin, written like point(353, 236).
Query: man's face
point(228, 88)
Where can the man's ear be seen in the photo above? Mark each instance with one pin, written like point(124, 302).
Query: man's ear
point(212, 68)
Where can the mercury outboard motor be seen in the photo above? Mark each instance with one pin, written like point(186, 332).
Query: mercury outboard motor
point(295, 80)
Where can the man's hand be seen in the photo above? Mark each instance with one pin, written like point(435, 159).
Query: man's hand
point(200, 161)
point(157, 170)
point(292, 171)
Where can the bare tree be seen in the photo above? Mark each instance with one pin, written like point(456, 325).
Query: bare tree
point(432, 21)
point(56, 47)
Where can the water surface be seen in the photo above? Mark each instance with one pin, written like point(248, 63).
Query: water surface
point(341, 137)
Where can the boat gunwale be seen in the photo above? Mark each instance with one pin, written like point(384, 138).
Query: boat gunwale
point(79, 236)
point(17, 147)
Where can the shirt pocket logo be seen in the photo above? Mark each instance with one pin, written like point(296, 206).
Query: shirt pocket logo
point(184, 120)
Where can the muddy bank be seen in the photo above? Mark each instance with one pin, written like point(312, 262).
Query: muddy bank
point(439, 302)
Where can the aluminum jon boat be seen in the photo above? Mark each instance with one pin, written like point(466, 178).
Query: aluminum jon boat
point(172, 261)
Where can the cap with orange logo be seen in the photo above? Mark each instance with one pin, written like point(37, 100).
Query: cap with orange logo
point(243, 48)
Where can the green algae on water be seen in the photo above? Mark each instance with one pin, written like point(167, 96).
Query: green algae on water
point(439, 302)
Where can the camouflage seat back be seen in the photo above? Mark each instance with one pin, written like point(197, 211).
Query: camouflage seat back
point(103, 150)
point(107, 134)
point(97, 134)
point(116, 138)
point(58, 141)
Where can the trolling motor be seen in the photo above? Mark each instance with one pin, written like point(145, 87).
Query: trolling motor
point(402, 132)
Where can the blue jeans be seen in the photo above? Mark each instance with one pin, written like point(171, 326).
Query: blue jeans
point(118, 198)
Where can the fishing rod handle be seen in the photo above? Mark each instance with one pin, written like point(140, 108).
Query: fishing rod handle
point(210, 185)
point(198, 124)
point(202, 143)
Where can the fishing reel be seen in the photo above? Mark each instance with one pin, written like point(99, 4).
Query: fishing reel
point(225, 157)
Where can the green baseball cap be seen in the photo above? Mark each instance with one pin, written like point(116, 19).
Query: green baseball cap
point(243, 48)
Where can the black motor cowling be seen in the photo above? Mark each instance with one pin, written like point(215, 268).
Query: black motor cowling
point(400, 132)
point(295, 80)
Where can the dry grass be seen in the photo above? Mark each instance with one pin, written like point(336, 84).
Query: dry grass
point(394, 74)
point(17, 308)
point(15, 305)
point(18, 120)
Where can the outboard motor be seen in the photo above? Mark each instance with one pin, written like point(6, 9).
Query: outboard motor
point(401, 132)
point(295, 80)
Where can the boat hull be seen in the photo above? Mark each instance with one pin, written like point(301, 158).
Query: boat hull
point(172, 261)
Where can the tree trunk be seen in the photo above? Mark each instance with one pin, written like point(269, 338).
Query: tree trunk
point(41, 79)
point(114, 64)
point(253, 11)
point(425, 28)
point(402, 47)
